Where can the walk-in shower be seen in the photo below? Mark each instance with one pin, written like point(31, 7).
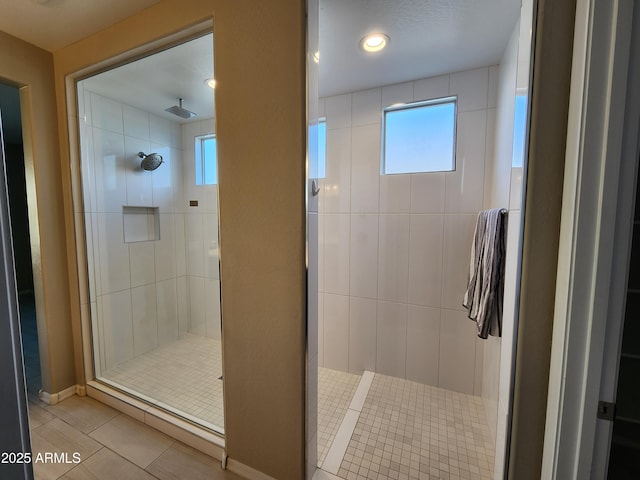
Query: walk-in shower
point(406, 388)
point(151, 227)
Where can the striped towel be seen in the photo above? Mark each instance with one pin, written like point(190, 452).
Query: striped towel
point(485, 289)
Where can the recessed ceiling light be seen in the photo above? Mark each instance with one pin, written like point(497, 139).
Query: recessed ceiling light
point(316, 57)
point(374, 42)
point(211, 82)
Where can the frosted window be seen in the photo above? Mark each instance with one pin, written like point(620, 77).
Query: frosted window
point(420, 137)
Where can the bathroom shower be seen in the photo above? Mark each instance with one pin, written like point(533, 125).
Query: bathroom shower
point(151, 161)
point(180, 111)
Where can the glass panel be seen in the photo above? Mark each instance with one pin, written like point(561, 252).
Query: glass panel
point(152, 232)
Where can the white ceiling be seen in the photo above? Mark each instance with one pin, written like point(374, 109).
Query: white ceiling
point(53, 24)
point(428, 38)
point(156, 82)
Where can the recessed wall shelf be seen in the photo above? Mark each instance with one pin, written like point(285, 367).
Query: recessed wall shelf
point(141, 224)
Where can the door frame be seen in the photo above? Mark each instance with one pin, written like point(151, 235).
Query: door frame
point(13, 401)
point(601, 149)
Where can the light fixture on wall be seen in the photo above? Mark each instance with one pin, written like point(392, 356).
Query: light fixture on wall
point(211, 82)
point(374, 42)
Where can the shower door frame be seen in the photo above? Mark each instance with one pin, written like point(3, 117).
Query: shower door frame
point(198, 437)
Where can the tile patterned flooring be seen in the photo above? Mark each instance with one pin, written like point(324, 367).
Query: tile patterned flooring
point(405, 430)
point(335, 391)
point(412, 431)
point(182, 377)
point(111, 445)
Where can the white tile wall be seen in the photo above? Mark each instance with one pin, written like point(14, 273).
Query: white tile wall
point(136, 122)
point(165, 249)
point(336, 332)
point(145, 318)
point(431, 88)
point(393, 258)
point(427, 192)
point(336, 253)
point(363, 257)
point(458, 234)
point(398, 93)
point(338, 111)
point(167, 301)
point(362, 334)
point(139, 183)
point(114, 254)
point(425, 259)
point(196, 295)
point(142, 263)
point(147, 293)
point(163, 178)
point(106, 114)
point(117, 327)
point(366, 107)
point(395, 193)
point(394, 250)
point(471, 87)
point(392, 338)
point(213, 325)
point(109, 167)
point(457, 351)
point(337, 184)
point(423, 344)
point(464, 188)
point(195, 245)
point(365, 168)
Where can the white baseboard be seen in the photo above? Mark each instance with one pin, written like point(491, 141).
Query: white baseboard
point(53, 398)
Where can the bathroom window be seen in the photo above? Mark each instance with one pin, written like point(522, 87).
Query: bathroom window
point(322, 148)
point(206, 160)
point(419, 137)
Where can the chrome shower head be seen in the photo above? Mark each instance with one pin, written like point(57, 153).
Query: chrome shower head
point(150, 162)
point(179, 111)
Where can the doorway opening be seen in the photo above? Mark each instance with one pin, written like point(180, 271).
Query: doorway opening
point(19, 217)
point(150, 206)
point(408, 385)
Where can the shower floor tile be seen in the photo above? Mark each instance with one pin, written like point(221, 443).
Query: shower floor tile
point(407, 430)
point(335, 391)
point(183, 377)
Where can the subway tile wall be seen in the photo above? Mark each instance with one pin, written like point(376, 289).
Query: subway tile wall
point(394, 249)
point(145, 294)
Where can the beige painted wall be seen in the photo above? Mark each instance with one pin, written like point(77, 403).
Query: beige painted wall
point(31, 68)
point(259, 47)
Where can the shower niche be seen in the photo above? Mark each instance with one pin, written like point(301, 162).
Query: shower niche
point(140, 224)
point(153, 277)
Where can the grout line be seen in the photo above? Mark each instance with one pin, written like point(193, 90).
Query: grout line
point(340, 443)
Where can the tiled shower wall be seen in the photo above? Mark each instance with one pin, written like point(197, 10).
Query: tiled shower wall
point(504, 190)
point(201, 224)
point(139, 293)
point(394, 249)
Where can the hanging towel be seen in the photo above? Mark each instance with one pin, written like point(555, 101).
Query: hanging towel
point(485, 289)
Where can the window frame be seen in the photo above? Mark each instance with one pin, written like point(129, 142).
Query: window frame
point(322, 121)
point(199, 159)
point(410, 106)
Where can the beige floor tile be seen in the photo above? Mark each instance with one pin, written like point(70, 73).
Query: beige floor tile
point(133, 440)
point(106, 465)
point(83, 413)
point(38, 416)
point(56, 436)
point(180, 461)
